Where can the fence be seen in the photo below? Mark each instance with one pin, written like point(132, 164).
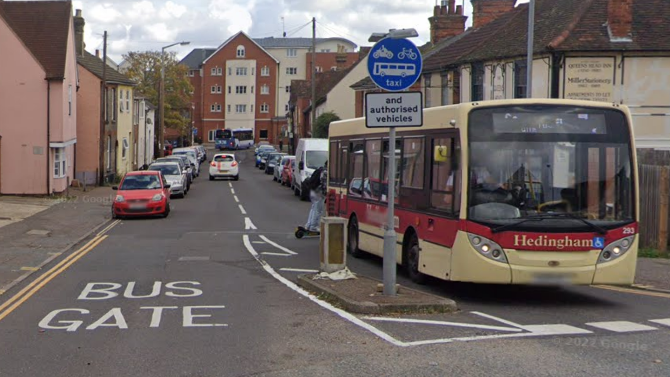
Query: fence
point(654, 174)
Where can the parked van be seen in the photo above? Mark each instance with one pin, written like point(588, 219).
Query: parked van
point(310, 155)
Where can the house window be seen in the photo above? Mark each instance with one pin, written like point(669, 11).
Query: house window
point(124, 149)
point(241, 71)
point(265, 89)
point(241, 89)
point(128, 100)
point(265, 108)
point(319, 69)
point(217, 71)
point(252, 89)
point(426, 85)
point(520, 79)
point(213, 89)
point(286, 107)
point(291, 70)
point(265, 71)
point(191, 73)
point(251, 110)
point(211, 134)
point(109, 152)
point(69, 100)
point(477, 93)
point(291, 52)
point(263, 134)
point(325, 50)
point(60, 163)
point(229, 89)
point(121, 108)
point(240, 108)
point(230, 71)
point(240, 51)
point(215, 108)
point(228, 108)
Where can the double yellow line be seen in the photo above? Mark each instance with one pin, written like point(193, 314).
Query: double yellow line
point(15, 301)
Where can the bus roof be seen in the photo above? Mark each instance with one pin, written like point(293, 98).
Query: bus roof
point(442, 116)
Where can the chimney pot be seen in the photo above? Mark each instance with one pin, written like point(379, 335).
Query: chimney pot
point(97, 53)
point(78, 13)
point(452, 7)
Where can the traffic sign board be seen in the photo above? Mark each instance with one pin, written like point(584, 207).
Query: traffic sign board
point(394, 64)
point(195, 131)
point(394, 109)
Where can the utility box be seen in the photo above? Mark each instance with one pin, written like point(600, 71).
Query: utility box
point(333, 244)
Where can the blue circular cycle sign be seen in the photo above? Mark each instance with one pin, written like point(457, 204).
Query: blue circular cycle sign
point(394, 64)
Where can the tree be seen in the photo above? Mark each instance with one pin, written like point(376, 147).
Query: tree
point(145, 70)
point(323, 123)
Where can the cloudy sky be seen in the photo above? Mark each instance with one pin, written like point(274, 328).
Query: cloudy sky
point(140, 25)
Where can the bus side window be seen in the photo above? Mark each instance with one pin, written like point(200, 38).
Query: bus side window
point(333, 176)
point(356, 158)
point(445, 172)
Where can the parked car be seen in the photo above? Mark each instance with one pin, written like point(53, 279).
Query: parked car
point(185, 165)
point(271, 161)
point(224, 165)
point(203, 150)
point(262, 157)
point(263, 148)
point(310, 155)
point(192, 156)
point(287, 172)
point(280, 167)
point(142, 193)
point(262, 145)
point(167, 148)
point(174, 176)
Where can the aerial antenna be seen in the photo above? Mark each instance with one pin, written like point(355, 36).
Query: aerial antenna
point(283, 27)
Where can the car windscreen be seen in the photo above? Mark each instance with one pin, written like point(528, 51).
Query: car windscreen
point(141, 182)
point(166, 169)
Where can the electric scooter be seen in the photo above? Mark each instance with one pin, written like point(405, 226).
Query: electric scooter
point(301, 232)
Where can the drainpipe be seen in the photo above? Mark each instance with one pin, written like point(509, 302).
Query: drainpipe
point(48, 148)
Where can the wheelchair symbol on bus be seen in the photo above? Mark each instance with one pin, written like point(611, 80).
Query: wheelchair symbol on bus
point(598, 242)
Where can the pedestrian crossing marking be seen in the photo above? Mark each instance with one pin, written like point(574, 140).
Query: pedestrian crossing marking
point(621, 326)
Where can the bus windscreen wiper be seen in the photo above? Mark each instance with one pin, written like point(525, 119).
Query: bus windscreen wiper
point(540, 217)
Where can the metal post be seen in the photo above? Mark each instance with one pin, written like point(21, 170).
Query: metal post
point(103, 104)
point(529, 52)
point(390, 235)
point(161, 105)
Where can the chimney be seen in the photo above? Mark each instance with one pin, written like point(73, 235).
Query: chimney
point(97, 53)
point(447, 21)
point(79, 33)
point(620, 20)
point(485, 11)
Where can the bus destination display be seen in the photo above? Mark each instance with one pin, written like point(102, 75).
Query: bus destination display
point(549, 123)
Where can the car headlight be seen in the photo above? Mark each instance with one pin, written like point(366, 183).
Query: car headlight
point(615, 249)
point(157, 197)
point(119, 199)
point(487, 248)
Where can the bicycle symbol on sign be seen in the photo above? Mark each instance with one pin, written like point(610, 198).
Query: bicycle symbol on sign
point(383, 52)
point(407, 52)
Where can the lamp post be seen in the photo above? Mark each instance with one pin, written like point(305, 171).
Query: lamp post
point(161, 99)
point(390, 236)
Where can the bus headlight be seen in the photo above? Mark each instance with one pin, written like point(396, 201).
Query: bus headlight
point(487, 248)
point(615, 249)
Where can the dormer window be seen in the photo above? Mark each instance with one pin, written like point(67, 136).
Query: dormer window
point(240, 51)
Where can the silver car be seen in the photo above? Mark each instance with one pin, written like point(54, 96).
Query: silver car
point(272, 160)
point(174, 176)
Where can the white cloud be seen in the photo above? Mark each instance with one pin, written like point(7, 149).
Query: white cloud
point(175, 10)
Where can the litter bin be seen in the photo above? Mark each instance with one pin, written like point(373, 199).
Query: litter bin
point(332, 245)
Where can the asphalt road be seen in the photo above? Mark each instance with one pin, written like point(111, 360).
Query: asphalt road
point(209, 292)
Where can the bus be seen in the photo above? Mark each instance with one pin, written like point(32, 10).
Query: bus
point(526, 191)
point(394, 69)
point(239, 138)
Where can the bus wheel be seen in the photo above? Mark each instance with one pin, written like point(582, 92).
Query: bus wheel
point(412, 258)
point(352, 238)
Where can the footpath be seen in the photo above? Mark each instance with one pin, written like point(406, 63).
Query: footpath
point(34, 231)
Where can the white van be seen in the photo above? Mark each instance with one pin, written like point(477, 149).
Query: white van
point(309, 156)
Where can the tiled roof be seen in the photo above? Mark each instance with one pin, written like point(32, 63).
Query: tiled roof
point(43, 26)
point(94, 64)
point(272, 42)
point(365, 83)
point(195, 58)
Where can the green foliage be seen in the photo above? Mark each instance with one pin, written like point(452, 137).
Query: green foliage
point(145, 70)
point(323, 124)
point(652, 253)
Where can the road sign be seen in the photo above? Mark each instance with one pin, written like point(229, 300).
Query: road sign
point(393, 109)
point(195, 131)
point(394, 64)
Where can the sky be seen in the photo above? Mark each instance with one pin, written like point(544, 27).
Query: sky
point(142, 25)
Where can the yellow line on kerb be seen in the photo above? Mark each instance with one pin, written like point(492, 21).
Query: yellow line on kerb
point(38, 283)
point(633, 291)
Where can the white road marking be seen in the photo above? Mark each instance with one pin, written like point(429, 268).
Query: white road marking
point(557, 329)
point(621, 326)
point(235, 197)
point(282, 248)
point(442, 323)
point(248, 224)
point(242, 209)
point(232, 190)
point(323, 304)
point(298, 270)
point(230, 184)
point(276, 254)
point(510, 323)
point(664, 322)
point(261, 242)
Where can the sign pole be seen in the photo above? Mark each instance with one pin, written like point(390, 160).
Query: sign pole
point(390, 236)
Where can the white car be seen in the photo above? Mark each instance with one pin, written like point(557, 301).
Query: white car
point(224, 165)
point(192, 156)
point(174, 176)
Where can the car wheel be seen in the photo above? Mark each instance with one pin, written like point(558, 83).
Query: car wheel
point(412, 261)
point(236, 178)
point(211, 178)
point(352, 238)
point(183, 195)
point(114, 216)
point(167, 210)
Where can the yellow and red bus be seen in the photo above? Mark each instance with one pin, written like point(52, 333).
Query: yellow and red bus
point(528, 191)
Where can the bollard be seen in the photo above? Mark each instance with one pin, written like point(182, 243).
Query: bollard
point(333, 244)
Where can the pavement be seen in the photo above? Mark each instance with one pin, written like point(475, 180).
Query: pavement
point(36, 230)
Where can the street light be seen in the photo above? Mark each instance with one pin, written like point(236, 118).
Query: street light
point(395, 34)
point(161, 99)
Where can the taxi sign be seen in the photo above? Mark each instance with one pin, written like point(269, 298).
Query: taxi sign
point(394, 64)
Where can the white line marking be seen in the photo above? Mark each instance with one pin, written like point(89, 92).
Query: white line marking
point(235, 197)
point(510, 323)
point(298, 270)
point(323, 304)
point(557, 329)
point(230, 184)
point(248, 224)
point(664, 322)
point(442, 323)
point(621, 326)
point(282, 248)
point(261, 242)
point(232, 190)
point(242, 209)
point(277, 254)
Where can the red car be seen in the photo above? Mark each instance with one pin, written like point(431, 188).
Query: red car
point(287, 172)
point(142, 193)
